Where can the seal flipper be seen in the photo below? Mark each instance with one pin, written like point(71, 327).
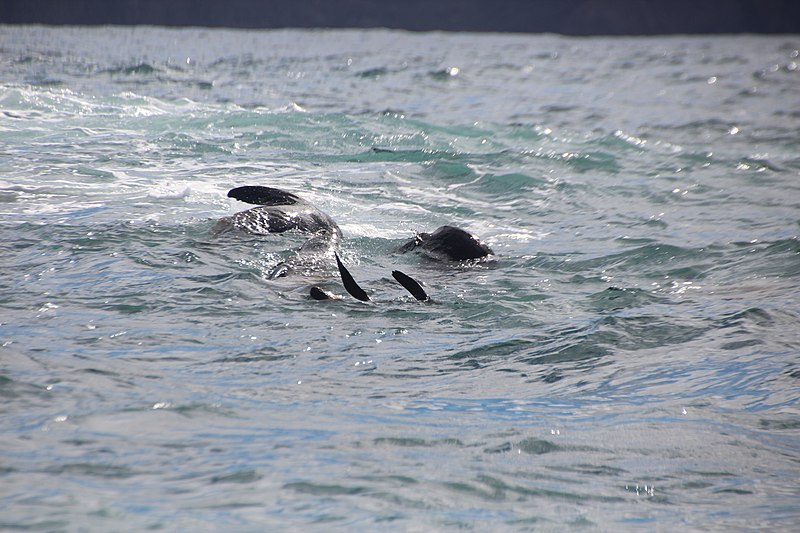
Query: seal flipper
point(349, 283)
point(318, 293)
point(411, 285)
point(258, 195)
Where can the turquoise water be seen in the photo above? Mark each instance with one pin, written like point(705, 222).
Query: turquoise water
point(627, 361)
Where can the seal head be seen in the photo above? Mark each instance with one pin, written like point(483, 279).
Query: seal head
point(448, 243)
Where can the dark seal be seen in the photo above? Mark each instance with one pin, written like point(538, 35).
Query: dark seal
point(278, 211)
point(448, 243)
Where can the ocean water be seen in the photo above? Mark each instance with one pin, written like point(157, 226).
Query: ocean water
point(629, 360)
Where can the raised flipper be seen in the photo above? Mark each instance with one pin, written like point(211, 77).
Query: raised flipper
point(350, 284)
point(258, 195)
point(411, 285)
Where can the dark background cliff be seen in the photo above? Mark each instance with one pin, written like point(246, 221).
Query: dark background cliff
point(571, 17)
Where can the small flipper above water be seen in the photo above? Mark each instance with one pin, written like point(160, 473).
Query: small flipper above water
point(349, 283)
point(411, 285)
point(258, 195)
point(318, 293)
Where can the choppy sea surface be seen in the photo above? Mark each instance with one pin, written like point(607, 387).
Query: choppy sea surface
point(628, 361)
